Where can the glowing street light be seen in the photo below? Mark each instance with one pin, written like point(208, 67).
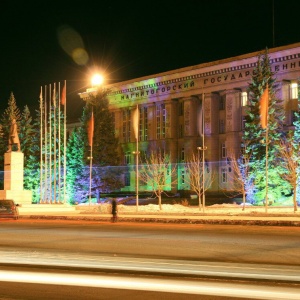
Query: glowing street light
point(97, 80)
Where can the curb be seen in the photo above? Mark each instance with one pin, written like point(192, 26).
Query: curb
point(215, 221)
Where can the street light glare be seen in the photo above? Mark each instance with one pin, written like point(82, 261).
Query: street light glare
point(97, 80)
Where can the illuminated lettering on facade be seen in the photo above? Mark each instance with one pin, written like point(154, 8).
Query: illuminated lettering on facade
point(202, 79)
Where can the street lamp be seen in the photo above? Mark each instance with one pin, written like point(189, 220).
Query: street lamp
point(96, 81)
point(203, 148)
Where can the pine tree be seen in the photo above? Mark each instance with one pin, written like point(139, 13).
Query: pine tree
point(76, 166)
point(26, 134)
point(255, 136)
point(296, 147)
point(30, 142)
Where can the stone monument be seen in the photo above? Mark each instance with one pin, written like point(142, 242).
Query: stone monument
point(14, 170)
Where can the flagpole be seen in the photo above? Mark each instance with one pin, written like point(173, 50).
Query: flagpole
point(65, 138)
point(50, 145)
point(136, 117)
point(59, 154)
point(46, 148)
point(65, 141)
point(91, 168)
point(203, 148)
point(91, 136)
point(137, 174)
point(267, 150)
point(203, 157)
point(264, 120)
point(54, 143)
point(41, 145)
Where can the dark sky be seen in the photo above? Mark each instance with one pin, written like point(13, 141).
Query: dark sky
point(128, 39)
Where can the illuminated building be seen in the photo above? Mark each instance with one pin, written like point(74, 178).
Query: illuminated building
point(169, 106)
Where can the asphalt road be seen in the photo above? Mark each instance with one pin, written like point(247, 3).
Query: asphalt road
point(130, 255)
point(217, 243)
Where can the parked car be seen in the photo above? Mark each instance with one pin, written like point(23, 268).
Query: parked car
point(9, 209)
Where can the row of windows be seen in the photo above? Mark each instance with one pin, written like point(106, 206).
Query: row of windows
point(161, 116)
point(293, 94)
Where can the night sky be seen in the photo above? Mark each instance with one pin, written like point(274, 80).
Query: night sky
point(128, 39)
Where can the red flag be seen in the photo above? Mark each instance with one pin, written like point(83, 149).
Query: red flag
point(63, 95)
point(263, 109)
point(54, 96)
point(91, 130)
point(136, 117)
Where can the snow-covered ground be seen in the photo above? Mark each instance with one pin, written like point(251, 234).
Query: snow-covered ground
point(227, 209)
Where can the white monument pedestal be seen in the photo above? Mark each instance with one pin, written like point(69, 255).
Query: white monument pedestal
point(14, 179)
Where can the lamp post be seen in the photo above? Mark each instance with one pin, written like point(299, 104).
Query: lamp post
point(203, 148)
point(136, 153)
point(96, 81)
point(136, 120)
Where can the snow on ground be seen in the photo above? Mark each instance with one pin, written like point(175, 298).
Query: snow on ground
point(227, 209)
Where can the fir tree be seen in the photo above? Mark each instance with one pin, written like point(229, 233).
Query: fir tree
point(296, 146)
point(76, 166)
point(31, 144)
point(26, 134)
point(255, 136)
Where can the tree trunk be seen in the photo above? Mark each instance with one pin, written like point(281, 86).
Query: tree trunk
point(244, 200)
point(295, 198)
point(199, 199)
point(159, 201)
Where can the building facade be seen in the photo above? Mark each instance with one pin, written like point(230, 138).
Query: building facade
point(171, 105)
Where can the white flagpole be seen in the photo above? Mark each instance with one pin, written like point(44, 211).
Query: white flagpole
point(54, 143)
point(50, 146)
point(46, 150)
point(41, 145)
point(136, 117)
point(65, 140)
point(202, 148)
point(91, 156)
point(203, 157)
point(59, 137)
point(267, 154)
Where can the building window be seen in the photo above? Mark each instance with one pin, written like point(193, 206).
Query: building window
point(222, 103)
point(224, 175)
point(294, 90)
point(181, 130)
point(222, 126)
point(207, 166)
point(182, 176)
point(126, 125)
point(244, 96)
point(127, 159)
point(181, 108)
point(127, 179)
point(243, 122)
point(223, 151)
point(182, 154)
point(161, 121)
point(143, 125)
